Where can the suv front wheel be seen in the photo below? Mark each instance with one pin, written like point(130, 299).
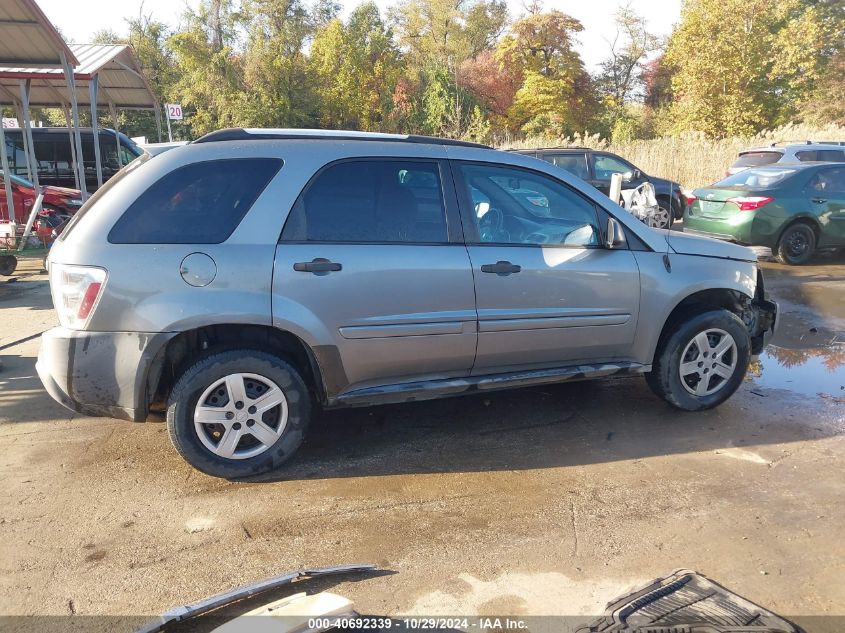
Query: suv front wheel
point(702, 363)
point(238, 413)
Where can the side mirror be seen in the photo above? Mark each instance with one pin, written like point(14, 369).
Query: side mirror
point(615, 236)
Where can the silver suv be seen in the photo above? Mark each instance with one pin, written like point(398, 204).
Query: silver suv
point(252, 275)
point(832, 152)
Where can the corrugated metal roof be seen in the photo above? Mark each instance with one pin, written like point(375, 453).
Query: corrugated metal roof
point(122, 81)
point(28, 38)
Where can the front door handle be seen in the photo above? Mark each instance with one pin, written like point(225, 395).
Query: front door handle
point(819, 200)
point(318, 266)
point(501, 268)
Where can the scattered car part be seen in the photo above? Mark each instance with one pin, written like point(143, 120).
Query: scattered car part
point(222, 599)
point(686, 602)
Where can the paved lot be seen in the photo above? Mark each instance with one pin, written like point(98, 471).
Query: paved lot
point(542, 501)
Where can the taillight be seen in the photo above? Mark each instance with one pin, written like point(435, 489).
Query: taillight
point(691, 197)
point(750, 203)
point(76, 290)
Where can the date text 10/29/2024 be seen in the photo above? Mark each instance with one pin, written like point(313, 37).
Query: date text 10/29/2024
point(432, 623)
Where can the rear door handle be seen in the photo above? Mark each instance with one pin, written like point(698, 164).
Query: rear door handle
point(318, 266)
point(502, 268)
point(819, 200)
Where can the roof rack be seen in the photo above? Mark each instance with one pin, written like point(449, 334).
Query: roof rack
point(806, 142)
point(258, 134)
point(543, 149)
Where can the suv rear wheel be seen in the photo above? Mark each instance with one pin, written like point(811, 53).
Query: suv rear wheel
point(238, 413)
point(702, 363)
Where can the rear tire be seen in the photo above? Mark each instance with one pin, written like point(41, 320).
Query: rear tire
point(796, 245)
point(238, 413)
point(702, 362)
point(8, 265)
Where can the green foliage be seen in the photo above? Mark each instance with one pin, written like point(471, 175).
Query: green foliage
point(457, 68)
point(740, 65)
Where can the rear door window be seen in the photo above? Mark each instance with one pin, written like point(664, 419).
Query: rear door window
point(756, 159)
point(575, 164)
point(831, 155)
point(830, 181)
point(201, 203)
point(383, 201)
point(807, 155)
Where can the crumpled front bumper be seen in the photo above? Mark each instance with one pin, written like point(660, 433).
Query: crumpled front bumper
point(100, 374)
point(766, 319)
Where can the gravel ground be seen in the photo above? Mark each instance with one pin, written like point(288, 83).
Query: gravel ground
point(541, 501)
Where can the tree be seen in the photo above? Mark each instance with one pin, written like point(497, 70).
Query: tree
point(620, 76)
point(209, 75)
point(355, 68)
point(742, 65)
point(557, 95)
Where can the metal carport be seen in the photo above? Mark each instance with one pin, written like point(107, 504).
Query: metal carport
point(27, 38)
point(45, 72)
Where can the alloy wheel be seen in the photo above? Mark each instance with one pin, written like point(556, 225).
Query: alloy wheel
point(708, 362)
point(241, 416)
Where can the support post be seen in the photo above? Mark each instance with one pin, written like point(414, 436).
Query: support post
point(74, 159)
point(113, 111)
point(158, 121)
point(25, 85)
point(93, 90)
point(74, 109)
point(169, 133)
point(25, 141)
point(7, 176)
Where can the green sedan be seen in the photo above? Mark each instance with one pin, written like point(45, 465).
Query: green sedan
point(792, 209)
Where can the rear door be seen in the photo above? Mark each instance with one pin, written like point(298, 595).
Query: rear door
point(372, 254)
point(827, 195)
point(548, 293)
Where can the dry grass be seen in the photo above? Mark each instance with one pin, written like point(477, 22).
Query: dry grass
point(690, 159)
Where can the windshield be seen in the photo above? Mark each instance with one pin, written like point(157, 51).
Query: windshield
point(756, 178)
point(756, 159)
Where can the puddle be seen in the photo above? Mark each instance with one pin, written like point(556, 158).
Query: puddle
point(806, 371)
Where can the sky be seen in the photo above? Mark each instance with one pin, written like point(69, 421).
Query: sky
point(80, 19)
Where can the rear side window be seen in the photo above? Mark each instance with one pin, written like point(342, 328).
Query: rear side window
point(575, 164)
point(201, 203)
point(807, 155)
point(371, 201)
point(756, 159)
point(831, 155)
point(830, 181)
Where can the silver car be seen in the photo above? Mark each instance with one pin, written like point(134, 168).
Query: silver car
point(252, 275)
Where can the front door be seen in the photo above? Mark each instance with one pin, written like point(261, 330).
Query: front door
point(366, 265)
point(605, 165)
point(547, 292)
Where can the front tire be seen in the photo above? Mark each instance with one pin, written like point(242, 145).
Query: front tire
point(238, 414)
point(702, 362)
point(796, 245)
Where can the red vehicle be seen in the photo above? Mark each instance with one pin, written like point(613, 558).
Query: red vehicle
point(57, 200)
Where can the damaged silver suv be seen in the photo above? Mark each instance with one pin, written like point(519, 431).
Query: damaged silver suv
point(245, 278)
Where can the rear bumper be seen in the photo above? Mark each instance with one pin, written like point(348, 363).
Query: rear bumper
point(101, 374)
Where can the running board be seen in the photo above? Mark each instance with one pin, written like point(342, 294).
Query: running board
point(431, 389)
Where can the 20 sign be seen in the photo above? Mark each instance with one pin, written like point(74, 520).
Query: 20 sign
point(174, 111)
